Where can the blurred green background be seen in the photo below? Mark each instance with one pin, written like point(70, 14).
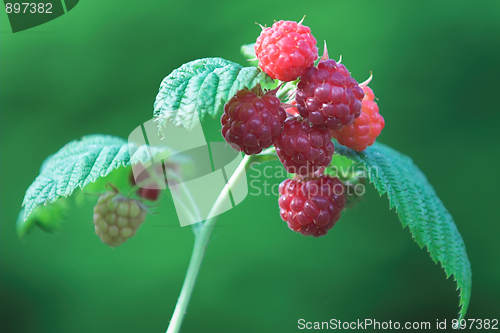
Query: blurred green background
point(97, 69)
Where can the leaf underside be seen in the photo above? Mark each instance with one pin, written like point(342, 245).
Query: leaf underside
point(201, 87)
point(74, 166)
point(419, 208)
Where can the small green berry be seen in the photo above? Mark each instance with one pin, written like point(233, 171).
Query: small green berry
point(117, 218)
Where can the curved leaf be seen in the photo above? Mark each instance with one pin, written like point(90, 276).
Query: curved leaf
point(74, 166)
point(419, 208)
point(202, 87)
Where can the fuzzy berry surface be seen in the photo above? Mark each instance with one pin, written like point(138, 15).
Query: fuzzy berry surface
point(328, 96)
point(117, 218)
point(251, 121)
point(303, 149)
point(311, 207)
point(366, 128)
point(285, 50)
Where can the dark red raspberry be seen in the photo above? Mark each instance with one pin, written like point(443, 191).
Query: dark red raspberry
point(366, 128)
point(328, 95)
point(311, 207)
point(286, 50)
point(252, 120)
point(303, 149)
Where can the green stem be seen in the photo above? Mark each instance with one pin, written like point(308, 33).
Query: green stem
point(200, 244)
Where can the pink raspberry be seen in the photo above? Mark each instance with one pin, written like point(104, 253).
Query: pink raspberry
point(328, 95)
point(286, 50)
point(252, 120)
point(303, 149)
point(313, 206)
point(366, 128)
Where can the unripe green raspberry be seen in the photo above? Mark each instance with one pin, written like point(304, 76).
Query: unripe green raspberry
point(117, 218)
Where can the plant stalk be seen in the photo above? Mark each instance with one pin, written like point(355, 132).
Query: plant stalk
point(200, 244)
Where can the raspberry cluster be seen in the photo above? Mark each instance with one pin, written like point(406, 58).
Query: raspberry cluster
point(117, 218)
point(328, 102)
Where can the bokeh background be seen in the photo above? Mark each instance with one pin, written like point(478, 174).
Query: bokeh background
point(97, 69)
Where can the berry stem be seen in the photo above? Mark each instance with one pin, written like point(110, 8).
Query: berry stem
point(200, 244)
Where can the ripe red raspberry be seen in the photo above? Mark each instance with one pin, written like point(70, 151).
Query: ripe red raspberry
point(286, 50)
point(311, 207)
point(328, 95)
point(251, 120)
point(303, 149)
point(117, 218)
point(366, 128)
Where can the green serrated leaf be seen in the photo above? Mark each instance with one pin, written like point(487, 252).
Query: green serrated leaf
point(75, 166)
point(47, 217)
point(419, 208)
point(201, 87)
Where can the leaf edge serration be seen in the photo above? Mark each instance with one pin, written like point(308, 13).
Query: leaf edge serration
point(173, 104)
point(430, 223)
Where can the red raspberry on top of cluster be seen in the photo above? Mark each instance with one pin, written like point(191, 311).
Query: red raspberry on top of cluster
point(285, 50)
